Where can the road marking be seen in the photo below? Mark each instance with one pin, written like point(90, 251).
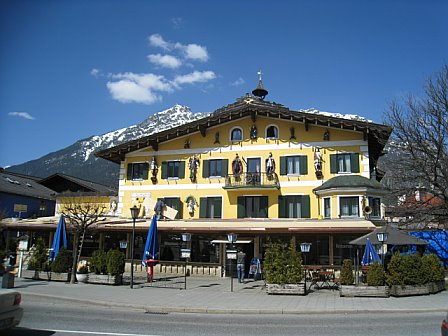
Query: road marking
point(81, 332)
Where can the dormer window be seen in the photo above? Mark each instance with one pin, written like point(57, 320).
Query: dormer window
point(236, 134)
point(272, 132)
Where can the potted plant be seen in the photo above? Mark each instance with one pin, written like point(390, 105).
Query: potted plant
point(82, 275)
point(61, 265)
point(98, 267)
point(115, 261)
point(406, 275)
point(283, 269)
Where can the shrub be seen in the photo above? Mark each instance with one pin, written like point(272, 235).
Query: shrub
point(63, 261)
point(411, 268)
point(394, 275)
point(432, 268)
point(98, 263)
point(347, 277)
point(115, 262)
point(375, 275)
point(283, 265)
point(39, 257)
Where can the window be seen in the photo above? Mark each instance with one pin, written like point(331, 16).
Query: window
point(173, 169)
point(137, 171)
point(293, 165)
point(294, 206)
point(349, 206)
point(210, 207)
point(214, 168)
point(375, 204)
point(272, 132)
point(175, 203)
point(327, 207)
point(253, 207)
point(344, 163)
point(236, 134)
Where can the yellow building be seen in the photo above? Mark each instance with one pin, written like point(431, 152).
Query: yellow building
point(258, 169)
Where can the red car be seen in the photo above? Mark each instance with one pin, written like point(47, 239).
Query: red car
point(444, 326)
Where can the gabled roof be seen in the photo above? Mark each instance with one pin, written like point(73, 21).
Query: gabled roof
point(395, 237)
point(18, 184)
point(376, 134)
point(350, 182)
point(62, 183)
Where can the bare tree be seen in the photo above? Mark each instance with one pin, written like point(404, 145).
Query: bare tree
point(419, 147)
point(82, 217)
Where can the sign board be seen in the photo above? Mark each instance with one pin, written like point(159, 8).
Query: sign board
point(20, 208)
point(231, 254)
point(185, 253)
point(23, 245)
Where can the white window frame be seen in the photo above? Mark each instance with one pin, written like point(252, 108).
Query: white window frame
point(323, 206)
point(231, 131)
point(266, 132)
point(359, 206)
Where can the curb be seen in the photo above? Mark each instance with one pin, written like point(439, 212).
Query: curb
point(248, 311)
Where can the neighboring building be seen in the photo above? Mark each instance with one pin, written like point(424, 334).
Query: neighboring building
point(258, 169)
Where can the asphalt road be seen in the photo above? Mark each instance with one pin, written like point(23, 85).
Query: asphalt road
point(45, 317)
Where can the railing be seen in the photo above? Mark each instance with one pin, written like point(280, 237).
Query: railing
point(252, 180)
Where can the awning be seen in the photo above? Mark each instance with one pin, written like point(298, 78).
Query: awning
point(395, 237)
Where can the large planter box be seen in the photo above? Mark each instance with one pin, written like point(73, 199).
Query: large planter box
point(105, 279)
point(435, 287)
point(59, 276)
point(286, 289)
point(409, 290)
point(364, 291)
point(46, 276)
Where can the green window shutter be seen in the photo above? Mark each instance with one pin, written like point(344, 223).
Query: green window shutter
point(283, 165)
point(205, 168)
point(303, 164)
point(182, 169)
point(224, 167)
point(164, 170)
point(218, 207)
point(129, 172)
point(281, 207)
point(145, 171)
point(241, 211)
point(264, 206)
point(333, 163)
point(354, 160)
point(203, 207)
point(177, 204)
point(306, 211)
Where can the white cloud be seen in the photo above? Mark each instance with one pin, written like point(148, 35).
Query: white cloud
point(156, 40)
point(177, 21)
point(95, 72)
point(138, 88)
point(240, 81)
point(166, 61)
point(24, 115)
point(195, 77)
point(194, 52)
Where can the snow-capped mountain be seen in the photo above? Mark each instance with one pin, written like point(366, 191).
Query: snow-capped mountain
point(78, 159)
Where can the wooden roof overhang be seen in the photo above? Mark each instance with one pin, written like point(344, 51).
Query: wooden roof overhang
point(376, 134)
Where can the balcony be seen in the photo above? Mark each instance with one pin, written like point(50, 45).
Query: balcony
point(252, 181)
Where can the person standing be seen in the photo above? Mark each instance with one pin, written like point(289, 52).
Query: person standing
point(240, 264)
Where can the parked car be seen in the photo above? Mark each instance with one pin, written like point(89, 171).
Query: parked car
point(10, 311)
point(445, 326)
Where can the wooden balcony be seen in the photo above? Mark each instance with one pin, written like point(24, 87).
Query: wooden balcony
point(252, 181)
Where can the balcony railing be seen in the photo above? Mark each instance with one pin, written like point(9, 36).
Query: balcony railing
point(252, 181)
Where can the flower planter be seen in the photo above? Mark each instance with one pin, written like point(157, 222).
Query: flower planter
point(35, 275)
point(103, 279)
point(286, 289)
point(435, 287)
point(364, 291)
point(82, 277)
point(52, 276)
point(409, 290)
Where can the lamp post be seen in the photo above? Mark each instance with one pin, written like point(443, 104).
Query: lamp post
point(382, 238)
point(134, 214)
point(185, 253)
point(305, 248)
point(231, 254)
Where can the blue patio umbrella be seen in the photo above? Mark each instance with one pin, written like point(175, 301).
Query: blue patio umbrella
point(151, 253)
point(59, 239)
point(370, 254)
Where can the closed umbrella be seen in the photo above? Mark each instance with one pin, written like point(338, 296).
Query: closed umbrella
point(370, 254)
point(59, 239)
point(151, 253)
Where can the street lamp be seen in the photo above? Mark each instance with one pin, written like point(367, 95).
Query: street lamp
point(185, 253)
point(305, 248)
point(382, 238)
point(231, 254)
point(134, 214)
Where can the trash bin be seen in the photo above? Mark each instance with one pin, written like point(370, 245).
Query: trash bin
point(8, 280)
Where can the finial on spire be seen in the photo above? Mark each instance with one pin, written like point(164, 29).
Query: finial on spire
point(260, 91)
point(259, 75)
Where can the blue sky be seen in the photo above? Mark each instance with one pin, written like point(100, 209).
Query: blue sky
point(72, 69)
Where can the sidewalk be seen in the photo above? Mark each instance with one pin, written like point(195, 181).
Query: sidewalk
point(213, 295)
